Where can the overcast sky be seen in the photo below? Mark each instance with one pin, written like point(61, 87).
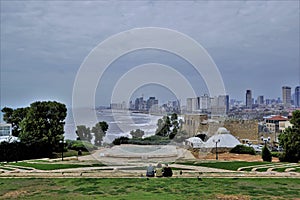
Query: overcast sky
point(255, 45)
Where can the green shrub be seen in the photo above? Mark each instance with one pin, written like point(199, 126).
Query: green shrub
point(287, 157)
point(80, 145)
point(266, 154)
point(276, 154)
point(121, 140)
point(242, 149)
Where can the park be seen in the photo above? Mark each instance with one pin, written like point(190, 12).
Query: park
point(40, 167)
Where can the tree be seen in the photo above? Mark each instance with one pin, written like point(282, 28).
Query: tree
point(163, 126)
point(168, 126)
point(138, 133)
point(43, 123)
point(290, 140)
point(121, 140)
point(175, 125)
point(84, 133)
point(266, 154)
point(14, 117)
point(174, 117)
point(99, 131)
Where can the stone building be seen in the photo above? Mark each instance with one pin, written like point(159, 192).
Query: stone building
point(244, 130)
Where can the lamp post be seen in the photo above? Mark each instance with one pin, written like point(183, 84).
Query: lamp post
point(62, 142)
point(216, 141)
point(265, 140)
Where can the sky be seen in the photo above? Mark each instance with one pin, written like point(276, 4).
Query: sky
point(254, 44)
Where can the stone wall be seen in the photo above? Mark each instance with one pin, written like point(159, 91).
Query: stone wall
point(244, 130)
point(192, 123)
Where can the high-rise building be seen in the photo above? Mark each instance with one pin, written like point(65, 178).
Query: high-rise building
point(189, 107)
point(204, 103)
point(151, 102)
point(286, 96)
point(224, 102)
point(248, 99)
point(192, 104)
point(260, 100)
point(297, 97)
point(220, 105)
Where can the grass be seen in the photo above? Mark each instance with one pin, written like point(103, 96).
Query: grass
point(232, 165)
point(45, 166)
point(6, 168)
point(141, 188)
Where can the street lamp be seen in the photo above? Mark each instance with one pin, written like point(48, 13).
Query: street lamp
point(265, 140)
point(216, 141)
point(62, 143)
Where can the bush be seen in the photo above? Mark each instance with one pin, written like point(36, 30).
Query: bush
point(276, 154)
point(121, 140)
point(266, 154)
point(242, 149)
point(23, 151)
point(284, 157)
point(152, 140)
point(80, 145)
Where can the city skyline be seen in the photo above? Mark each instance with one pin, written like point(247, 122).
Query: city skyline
point(289, 96)
point(255, 46)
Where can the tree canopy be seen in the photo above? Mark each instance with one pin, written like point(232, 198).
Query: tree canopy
point(84, 133)
point(41, 122)
point(168, 126)
point(99, 130)
point(290, 140)
point(138, 133)
point(44, 122)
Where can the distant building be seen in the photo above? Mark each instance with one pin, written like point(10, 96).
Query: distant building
point(284, 125)
point(192, 104)
point(248, 99)
point(192, 122)
point(297, 97)
point(6, 133)
point(140, 104)
point(204, 103)
point(152, 102)
point(189, 105)
point(286, 96)
point(118, 106)
point(5, 130)
point(272, 123)
point(220, 105)
point(260, 100)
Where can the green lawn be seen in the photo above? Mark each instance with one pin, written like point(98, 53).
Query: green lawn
point(232, 165)
point(155, 188)
point(49, 166)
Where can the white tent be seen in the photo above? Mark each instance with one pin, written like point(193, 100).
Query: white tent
point(226, 140)
point(195, 142)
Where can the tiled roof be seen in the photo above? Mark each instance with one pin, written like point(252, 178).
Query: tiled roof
point(278, 118)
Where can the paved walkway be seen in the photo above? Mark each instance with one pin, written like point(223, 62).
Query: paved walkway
point(136, 167)
point(138, 172)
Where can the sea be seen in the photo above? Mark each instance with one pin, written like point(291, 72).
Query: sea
point(120, 123)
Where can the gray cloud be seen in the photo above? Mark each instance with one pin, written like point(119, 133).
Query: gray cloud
point(44, 43)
